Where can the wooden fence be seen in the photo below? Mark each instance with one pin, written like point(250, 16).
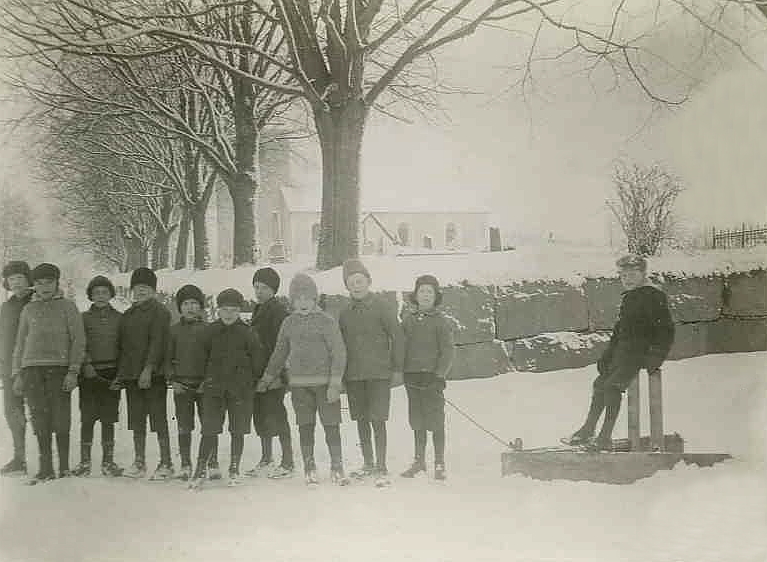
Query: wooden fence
point(739, 238)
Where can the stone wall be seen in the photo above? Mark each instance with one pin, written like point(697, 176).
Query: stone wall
point(545, 326)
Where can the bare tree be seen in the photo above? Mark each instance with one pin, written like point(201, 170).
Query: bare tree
point(644, 206)
point(340, 56)
point(18, 238)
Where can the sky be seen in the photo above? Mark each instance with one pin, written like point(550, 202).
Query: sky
point(543, 164)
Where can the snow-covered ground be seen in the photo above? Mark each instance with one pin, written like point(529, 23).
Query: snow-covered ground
point(398, 273)
point(719, 514)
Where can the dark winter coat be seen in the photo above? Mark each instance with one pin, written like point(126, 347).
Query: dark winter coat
point(234, 359)
point(10, 312)
point(428, 342)
point(185, 358)
point(102, 330)
point(374, 339)
point(143, 339)
point(643, 334)
point(266, 321)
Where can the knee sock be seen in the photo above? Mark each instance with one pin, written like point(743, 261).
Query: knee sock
point(365, 433)
point(595, 410)
point(185, 448)
point(333, 441)
point(62, 446)
point(237, 446)
point(613, 398)
point(266, 449)
point(139, 446)
point(45, 445)
point(163, 441)
point(208, 444)
point(438, 437)
point(420, 445)
point(306, 439)
point(86, 440)
point(286, 447)
point(379, 431)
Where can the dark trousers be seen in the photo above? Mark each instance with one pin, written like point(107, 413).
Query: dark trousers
point(13, 408)
point(606, 396)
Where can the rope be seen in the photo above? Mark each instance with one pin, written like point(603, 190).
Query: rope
point(465, 415)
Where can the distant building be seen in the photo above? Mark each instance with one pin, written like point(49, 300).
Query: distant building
point(289, 206)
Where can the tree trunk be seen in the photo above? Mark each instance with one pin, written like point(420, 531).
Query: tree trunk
point(182, 245)
point(245, 183)
point(340, 132)
point(132, 253)
point(160, 252)
point(200, 233)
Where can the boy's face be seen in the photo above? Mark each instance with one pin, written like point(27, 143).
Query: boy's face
point(229, 314)
point(304, 304)
point(143, 293)
point(632, 277)
point(359, 285)
point(18, 283)
point(101, 296)
point(46, 287)
point(191, 309)
point(262, 291)
point(426, 297)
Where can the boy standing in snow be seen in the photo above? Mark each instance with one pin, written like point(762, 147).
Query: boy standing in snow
point(374, 353)
point(98, 401)
point(185, 369)
point(270, 417)
point(429, 354)
point(311, 345)
point(49, 352)
point(233, 359)
point(143, 339)
point(641, 338)
point(17, 280)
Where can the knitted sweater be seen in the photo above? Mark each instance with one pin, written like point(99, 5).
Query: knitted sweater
point(374, 339)
point(312, 348)
point(102, 327)
point(428, 342)
point(10, 313)
point(185, 358)
point(51, 334)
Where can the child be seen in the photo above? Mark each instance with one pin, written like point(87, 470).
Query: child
point(641, 338)
point(49, 352)
point(143, 339)
point(233, 359)
point(16, 279)
point(374, 353)
point(310, 343)
point(429, 355)
point(98, 401)
point(270, 417)
point(185, 369)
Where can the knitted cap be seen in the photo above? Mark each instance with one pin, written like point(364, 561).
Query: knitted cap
point(16, 268)
point(143, 276)
point(230, 297)
point(267, 276)
point(352, 266)
point(99, 281)
point(189, 292)
point(46, 271)
point(427, 280)
point(633, 261)
point(303, 285)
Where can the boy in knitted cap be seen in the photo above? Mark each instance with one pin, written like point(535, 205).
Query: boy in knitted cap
point(270, 417)
point(98, 401)
point(234, 360)
point(185, 369)
point(311, 345)
point(374, 355)
point(46, 360)
point(641, 338)
point(17, 280)
point(429, 354)
point(143, 340)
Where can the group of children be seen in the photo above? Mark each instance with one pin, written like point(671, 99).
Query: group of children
point(224, 369)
